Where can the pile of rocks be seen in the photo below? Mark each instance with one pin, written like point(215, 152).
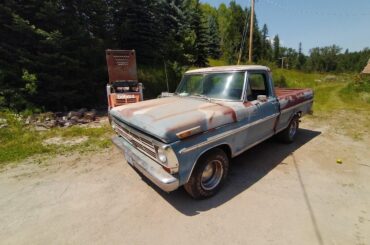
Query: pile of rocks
point(49, 120)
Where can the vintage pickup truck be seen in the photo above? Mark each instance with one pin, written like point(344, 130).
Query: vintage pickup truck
point(215, 114)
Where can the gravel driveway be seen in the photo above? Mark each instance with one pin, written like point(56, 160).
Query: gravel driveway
point(275, 194)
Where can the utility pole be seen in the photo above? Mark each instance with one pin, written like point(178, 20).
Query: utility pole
point(251, 32)
point(282, 62)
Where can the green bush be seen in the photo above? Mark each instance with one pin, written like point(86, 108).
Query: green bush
point(154, 79)
point(281, 82)
point(357, 90)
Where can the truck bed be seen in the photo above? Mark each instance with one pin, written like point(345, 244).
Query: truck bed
point(289, 97)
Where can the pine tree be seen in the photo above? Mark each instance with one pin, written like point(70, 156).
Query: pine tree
point(301, 58)
point(257, 41)
point(214, 39)
point(266, 45)
point(174, 25)
point(200, 46)
point(137, 26)
point(18, 37)
point(233, 35)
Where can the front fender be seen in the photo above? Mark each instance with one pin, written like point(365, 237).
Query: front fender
point(188, 151)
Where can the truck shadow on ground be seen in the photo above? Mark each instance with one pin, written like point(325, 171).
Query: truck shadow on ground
point(245, 170)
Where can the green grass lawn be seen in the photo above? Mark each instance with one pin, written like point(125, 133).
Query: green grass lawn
point(332, 92)
point(18, 141)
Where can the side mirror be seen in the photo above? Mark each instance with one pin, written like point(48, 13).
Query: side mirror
point(262, 98)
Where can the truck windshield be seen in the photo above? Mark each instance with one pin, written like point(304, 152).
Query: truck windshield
point(228, 86)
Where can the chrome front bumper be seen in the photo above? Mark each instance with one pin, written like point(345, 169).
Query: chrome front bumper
point(147, 166)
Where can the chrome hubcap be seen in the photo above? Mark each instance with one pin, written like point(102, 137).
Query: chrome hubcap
point(212, 175)
point(293, 129)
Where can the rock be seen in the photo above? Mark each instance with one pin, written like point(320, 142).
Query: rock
point(75, 118)
point(83, 121)
point(41, 127)
point(90, 115)
point(68, 124)
point(74, 114)
point(60, 122)
point(51, 124)
point(82, 111)
point(28, 120)
point(47, 116)
point(58, 114)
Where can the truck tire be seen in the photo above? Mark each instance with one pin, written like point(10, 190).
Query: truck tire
point(208, 175)
point(288, 134)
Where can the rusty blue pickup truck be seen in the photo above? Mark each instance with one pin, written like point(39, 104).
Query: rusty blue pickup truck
point(216, 113)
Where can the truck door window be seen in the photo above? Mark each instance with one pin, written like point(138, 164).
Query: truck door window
point(257, 85)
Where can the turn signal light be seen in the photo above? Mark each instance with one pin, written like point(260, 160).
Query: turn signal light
point(189, 132)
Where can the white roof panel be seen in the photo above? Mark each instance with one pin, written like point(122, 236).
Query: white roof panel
point(228, 68)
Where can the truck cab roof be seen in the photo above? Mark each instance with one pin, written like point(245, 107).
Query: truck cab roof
point(228, 69)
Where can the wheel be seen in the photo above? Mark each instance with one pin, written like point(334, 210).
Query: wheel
point(208, 175)
point(288, 134)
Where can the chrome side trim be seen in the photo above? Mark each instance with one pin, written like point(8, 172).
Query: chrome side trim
point(153, 171)
point(226, 134)
point(300, 104)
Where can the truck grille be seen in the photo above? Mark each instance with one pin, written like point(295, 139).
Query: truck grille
point(142, 144)
point(125, 101)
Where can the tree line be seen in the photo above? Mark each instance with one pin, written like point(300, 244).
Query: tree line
point(52, 52)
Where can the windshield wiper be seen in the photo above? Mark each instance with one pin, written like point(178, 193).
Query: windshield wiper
point(201, 96)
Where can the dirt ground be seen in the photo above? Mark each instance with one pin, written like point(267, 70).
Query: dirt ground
point(275, 194)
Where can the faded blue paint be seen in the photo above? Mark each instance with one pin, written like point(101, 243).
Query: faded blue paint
point(239, 125)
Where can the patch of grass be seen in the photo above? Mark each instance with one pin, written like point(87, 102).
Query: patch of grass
point(18, 141)
point(332, 92)
point(341, 100)
point(357, 91)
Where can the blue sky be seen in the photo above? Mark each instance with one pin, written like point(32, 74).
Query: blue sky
point(314, 22)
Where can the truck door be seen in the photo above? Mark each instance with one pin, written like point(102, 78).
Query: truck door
point(266, 105)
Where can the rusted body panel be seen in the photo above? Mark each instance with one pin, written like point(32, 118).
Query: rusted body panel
point(189, 126)
point(122, 73)
point(165, 117)
point(291, 97)
point(128, 98)
point(121, 65)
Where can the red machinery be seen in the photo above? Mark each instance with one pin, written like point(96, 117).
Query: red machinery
point(123, 86)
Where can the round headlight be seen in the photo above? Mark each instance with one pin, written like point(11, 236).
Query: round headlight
point(162, 156)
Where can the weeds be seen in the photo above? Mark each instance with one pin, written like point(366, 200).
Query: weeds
point(18, 141)
point(339, 92)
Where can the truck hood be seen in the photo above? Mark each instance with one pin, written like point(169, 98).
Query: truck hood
point(164, 118)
